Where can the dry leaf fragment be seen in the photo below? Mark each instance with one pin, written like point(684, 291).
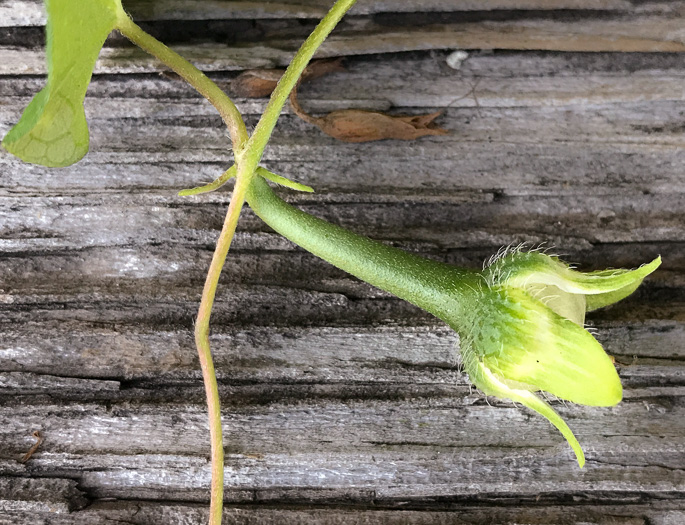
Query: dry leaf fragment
point(257, 83)
point(357, 125)
point(322, 67)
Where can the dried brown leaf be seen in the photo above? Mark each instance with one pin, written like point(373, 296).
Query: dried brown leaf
point(257, 83)
point(356, 125)
point(322, 67)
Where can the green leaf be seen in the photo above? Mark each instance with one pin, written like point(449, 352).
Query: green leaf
point(53, 130)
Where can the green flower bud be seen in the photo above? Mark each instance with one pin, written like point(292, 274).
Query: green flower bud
point(525, 333)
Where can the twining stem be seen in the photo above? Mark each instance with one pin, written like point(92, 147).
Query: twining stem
point(247, 154)
point(236, 127)
point(247, 161)
point(202, 342)
point(196, 78)
point(262, 133)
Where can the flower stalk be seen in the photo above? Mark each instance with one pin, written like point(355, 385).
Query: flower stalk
point(520, 320)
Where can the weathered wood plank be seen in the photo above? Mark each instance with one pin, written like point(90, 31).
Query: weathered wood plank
point(571, 157)
point(498, 81)
point(351, 446)
point(341, 403)
point(451, 165)
point(31, 12)
point(16, 383)
point(147, 512)
point(503, 79)
point(37, 495)
point(590, 130)
point(75, 349)
point(55, 223)
point(651, 34)
point(119, 272)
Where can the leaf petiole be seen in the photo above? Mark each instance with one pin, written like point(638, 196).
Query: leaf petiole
point(196, 78)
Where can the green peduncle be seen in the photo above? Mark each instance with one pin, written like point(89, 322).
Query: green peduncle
point(438, 288)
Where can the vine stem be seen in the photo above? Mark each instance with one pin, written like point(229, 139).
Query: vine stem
point(248, 153)
point(239, 137)
point(202, 342)
point(259, 138)
point(188, 72)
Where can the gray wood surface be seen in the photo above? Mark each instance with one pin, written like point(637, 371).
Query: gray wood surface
point(341, 403)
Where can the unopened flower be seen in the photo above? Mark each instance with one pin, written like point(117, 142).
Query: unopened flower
point(525, 333)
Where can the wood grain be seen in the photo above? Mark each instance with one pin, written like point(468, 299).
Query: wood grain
point(654, 34)
point(341, 403)
point(30, 12)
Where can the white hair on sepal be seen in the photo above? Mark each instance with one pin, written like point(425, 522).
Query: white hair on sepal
point(461, 367)
point(521, 247)
point(551, 399)
point(591, 329)
point(496, 274)
point(545, 395)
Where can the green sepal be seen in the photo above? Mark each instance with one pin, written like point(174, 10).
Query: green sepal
point(52, 130)
point(548, 352)
point(528, 345)
point(491, 385)
point(600, 288)
point(625, 282)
